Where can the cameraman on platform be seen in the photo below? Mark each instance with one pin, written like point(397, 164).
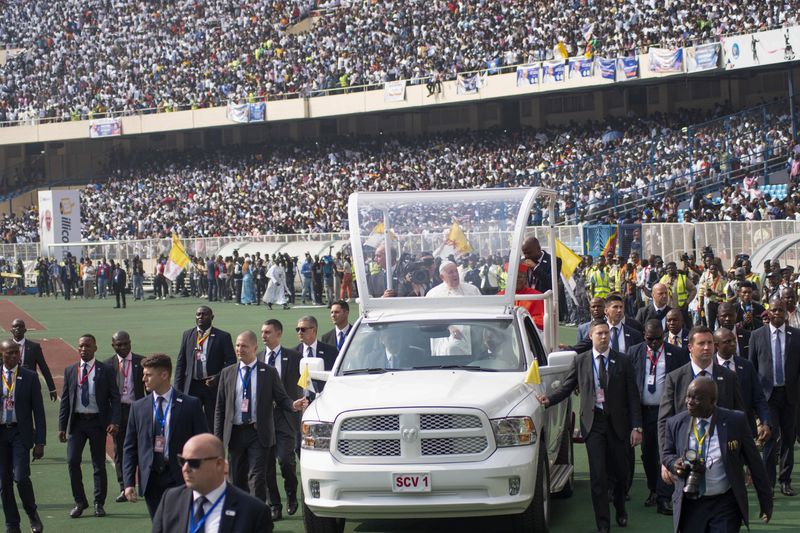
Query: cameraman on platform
point(705, 449)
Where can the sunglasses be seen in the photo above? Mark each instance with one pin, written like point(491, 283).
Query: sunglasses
point(194, 464)
point(302, 330)
point(652, 338)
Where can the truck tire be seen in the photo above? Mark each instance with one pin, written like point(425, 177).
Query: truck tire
point(566, 456)
point(318, 524)
point(536, 518)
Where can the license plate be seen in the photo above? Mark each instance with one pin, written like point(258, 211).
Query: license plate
point(420, 482)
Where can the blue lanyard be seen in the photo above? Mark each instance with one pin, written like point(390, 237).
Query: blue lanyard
point(162, 422)
point(245, 383)
point(194, 527)
point(596, 371)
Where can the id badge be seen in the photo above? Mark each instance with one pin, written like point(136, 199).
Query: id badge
point(651, 379)
point(600, 396)
point(245, 405)
point(160, 444)
point(9, 404)
point(198, 355)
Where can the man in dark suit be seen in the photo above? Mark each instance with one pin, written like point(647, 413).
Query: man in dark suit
point(22, 427)
point(119, 282)
point(31, 356)
point(204, 352)
point(340, 316)
point(538, 262)
point(610, 419)
point(755, 404)
point(287, 425)
point(726, 317)
point(309, 345)
point(652, 360)
point(676, 334)
point(623, 336)
point(747, 310)
point(597, 310)
point(244, 416)
point(701, 354)
point(775, 354)
point(158, 427)
point(127, 368)
point(657, 308)
point(89, 410)
point(206, 502)
point(722, 438)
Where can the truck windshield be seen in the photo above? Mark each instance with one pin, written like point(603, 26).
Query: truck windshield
point(476, 345)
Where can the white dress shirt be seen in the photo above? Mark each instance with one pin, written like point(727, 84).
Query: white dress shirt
point(724, 362)
point(168, 399)
point(242, 374)
point(620, 335)
point(204, 357)
point(654, 398)
point(6, 395)
point(597, 387)
point(278, 364)
point(772, 330)
point(709, 370)
point(126, 392)
point(313, 347)
point(21, 345)
point(215, 516)
point(92, 407)
point(716, 481)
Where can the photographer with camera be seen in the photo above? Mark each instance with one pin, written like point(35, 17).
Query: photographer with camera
point(416, 276)
point(705, 450)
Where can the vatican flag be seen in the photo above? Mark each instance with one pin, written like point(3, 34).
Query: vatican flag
point(178, 259)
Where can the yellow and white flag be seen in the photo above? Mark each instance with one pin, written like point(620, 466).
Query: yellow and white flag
point(533, 377)
point(305, 378)
point(455, 243)
point(376, 237)
point(569, 263)
point(178, 259)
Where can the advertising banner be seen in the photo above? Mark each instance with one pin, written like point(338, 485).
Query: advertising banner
point(59, 221)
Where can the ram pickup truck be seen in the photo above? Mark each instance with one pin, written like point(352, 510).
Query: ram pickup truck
point(430, 410)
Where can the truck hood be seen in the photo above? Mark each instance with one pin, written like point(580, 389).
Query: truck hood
point(493, 393)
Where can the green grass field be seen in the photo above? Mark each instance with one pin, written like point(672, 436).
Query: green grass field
point(156, 326)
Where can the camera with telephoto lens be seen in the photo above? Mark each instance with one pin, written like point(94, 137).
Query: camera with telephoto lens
point(693, 469)
point(415, 271)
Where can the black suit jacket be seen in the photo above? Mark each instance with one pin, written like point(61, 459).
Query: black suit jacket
point(622, 399)
point(290, 375)
point(106, 394)
point(136, 369)
point(218, 355)
point(540, 279)
point(330, 337)
point(29, 408)
point(186, 419)
point(34, 358)
point(755, 403)
point(756, 323)
point(119, 282)
point(760, 355)
point(684, 335)
point(673, 356)
point(269, 391)
point(648, 313)
point(327, 352)
point(632, 338)
point(241, 513)
point(673, 400)
point(737, 448)
point(743, 339)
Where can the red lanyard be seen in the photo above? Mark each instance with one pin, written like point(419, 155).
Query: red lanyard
point(654, 362)
point(121, 364)
point(81, 381)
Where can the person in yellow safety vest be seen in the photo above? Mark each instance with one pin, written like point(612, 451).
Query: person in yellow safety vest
point(680, 288)
point(600, 280)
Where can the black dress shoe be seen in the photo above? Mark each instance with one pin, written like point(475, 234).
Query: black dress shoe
point(664, 507)
point(121, 498)
point(786, 489)
point(276, 513)
point(36, 523)
point(651, 500)
point(291, 507)
point(78, 510)
point(622, 519)
point(13, 529)
point(98, 510)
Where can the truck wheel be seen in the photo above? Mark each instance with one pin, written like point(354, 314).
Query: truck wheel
point(536, 517)
point(318, 524)
point(566, 457)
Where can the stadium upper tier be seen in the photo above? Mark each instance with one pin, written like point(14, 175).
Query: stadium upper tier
point(620, 170)
point(77, 59)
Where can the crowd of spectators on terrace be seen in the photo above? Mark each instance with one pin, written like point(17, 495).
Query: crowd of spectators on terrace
point(78, 59)
point(623, 169)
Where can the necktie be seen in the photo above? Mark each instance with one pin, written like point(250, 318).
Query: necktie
point(729, 365)
point(200, 512)
point(703, 373)
point(9, 412)
point(676, 341)
point(601, 372)
point(85, 386)
point(651, 387)
point(198, 362)
point(309, 353)
point(271, 361)
point(615, 338)
point(701, 431)
point(246, 416)
point(340, 340)
point(778, 353)
point(161, 424)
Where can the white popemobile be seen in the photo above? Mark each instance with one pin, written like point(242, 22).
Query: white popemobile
point(430, 410)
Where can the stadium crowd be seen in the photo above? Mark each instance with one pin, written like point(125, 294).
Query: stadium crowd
point(628, 163)
point(74, 60)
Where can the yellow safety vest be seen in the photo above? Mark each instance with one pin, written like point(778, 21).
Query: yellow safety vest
point(602, 283)
point(683, 294)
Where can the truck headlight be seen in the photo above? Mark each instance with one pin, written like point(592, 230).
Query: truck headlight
point(514, 431)
point(317, 435)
